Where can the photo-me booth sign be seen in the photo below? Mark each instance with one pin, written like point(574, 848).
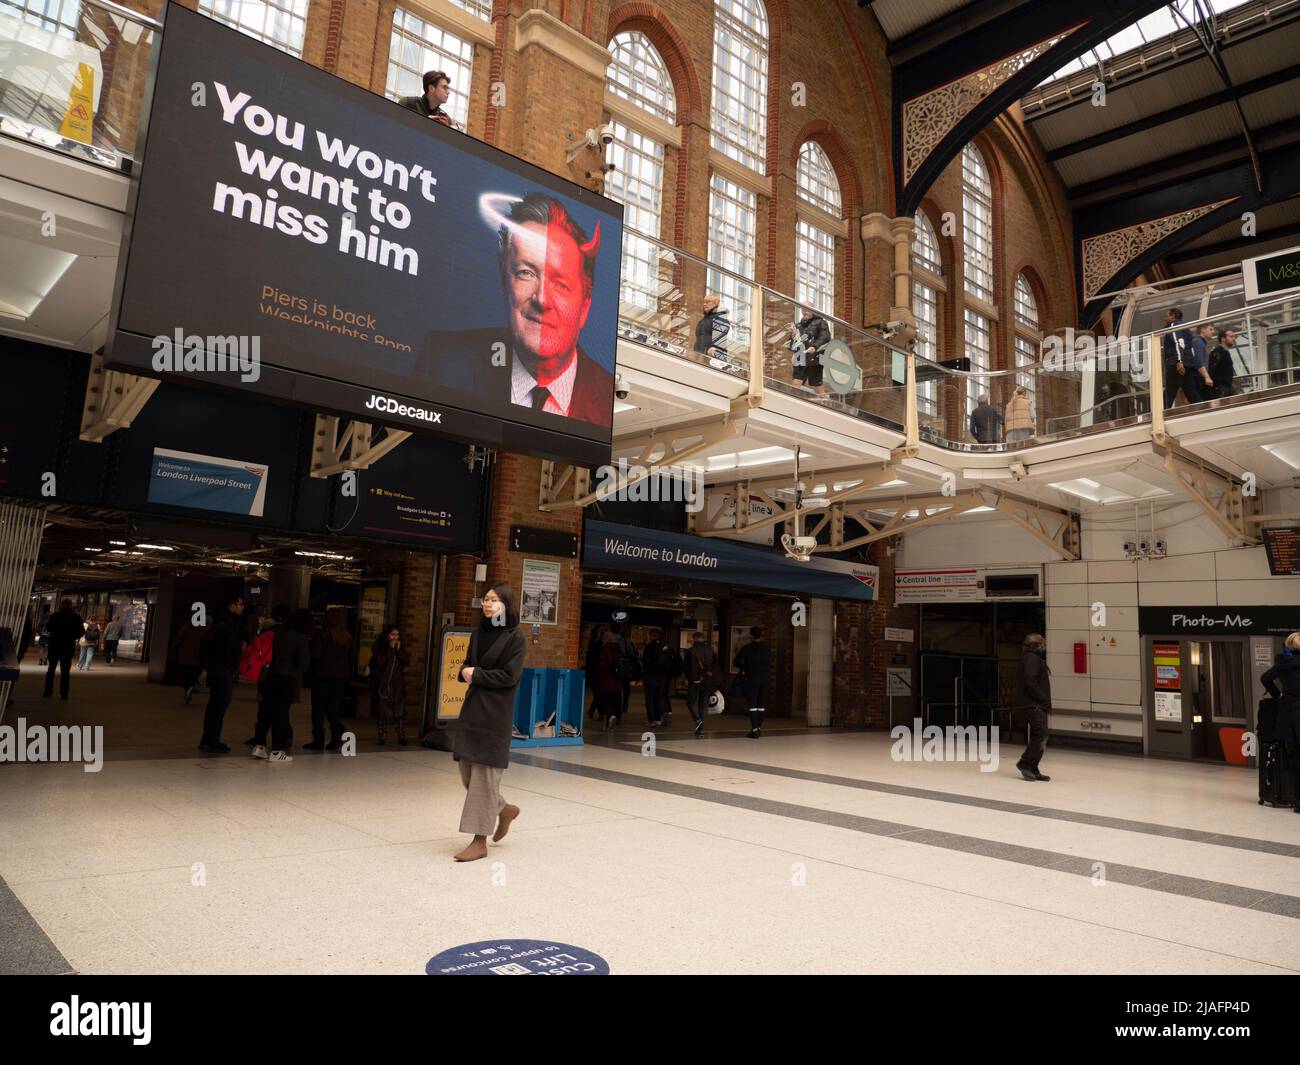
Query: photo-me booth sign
point(297, 236)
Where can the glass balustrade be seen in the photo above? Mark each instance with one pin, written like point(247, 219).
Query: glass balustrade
point(72, 76)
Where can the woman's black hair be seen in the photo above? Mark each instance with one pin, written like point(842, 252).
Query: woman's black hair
point(381, 637)
point(507, 596)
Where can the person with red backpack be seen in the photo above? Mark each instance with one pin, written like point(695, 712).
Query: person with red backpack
point(222, 660)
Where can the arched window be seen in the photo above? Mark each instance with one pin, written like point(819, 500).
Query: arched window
point(282, 23)
point(814, 247)
point(977, 266)
point(1028, 332)
point(927, 284)
point(418, 44)
point(638, 74)
point(977, 224)
point(739, 121)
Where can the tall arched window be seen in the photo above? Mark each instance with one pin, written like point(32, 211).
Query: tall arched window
point(1028, 333)
point(927, 284)
point(814, 249)
point(637, 74)
point(977, 265)
point(739, 122)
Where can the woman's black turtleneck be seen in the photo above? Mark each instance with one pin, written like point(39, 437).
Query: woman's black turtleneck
point(488, 636)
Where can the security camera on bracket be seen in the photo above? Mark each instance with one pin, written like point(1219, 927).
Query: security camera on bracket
point(596, 139)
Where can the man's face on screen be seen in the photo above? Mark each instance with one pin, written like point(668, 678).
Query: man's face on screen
point(546, 294)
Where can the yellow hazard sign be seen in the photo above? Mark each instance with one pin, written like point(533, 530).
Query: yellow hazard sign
point(79, 118)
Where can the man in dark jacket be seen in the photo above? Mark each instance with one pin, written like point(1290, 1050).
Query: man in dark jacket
point(752, 660)
point(812, 334)
point(1175, 347)
point(986, 422)
point(222, 663)
point(1286, 671)
point(657, 668)
point(700, 666)
point(1034, 696)
point(712, 329)
point(437, 91)
point(65, 628)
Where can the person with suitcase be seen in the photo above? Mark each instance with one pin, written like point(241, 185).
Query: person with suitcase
point(1282, 682)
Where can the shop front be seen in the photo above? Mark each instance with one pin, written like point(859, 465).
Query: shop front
point(1201, 677)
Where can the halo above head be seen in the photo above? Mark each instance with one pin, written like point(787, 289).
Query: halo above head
point(492, 208)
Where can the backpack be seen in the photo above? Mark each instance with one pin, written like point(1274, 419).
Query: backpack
point(627, 668)
point(257, 656)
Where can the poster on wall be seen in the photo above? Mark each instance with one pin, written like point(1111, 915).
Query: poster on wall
point(1166, 661)
point(453, 648)
point(297, 236)
point(740, 637)
point(539, 596)
point(1169, 706)
point(371, 620)
point(207, 482)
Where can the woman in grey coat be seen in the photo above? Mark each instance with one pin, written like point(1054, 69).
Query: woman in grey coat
point(492, 669)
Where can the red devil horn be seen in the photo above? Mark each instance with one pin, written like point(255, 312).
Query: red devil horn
point(592, 246)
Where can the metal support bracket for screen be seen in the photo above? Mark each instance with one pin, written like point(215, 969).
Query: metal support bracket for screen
point(354, 449)
point(112, 400)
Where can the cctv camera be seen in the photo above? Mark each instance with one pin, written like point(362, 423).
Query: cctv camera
point(799, 547)
point(620, 387)
point(606, 133)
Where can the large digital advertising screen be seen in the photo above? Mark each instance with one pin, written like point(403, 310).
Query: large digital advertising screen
point(296, 236)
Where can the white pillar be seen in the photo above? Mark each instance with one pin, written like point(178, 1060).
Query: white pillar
point(821, 647)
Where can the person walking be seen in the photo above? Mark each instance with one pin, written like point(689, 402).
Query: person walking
point(1175, 347)
point(89, 644)
point(112, 636)
point(711, 333)
point(191, 644)
point(65, 628)
point(657, 669)
point(290, 658)
point(332, 653)
point(1220, 364)
point(986, 421)
point(699, 665)
point(1019, 421)
point(609, 685)
point(222, 652)
point(631, 664)
point(492, 668)
point(388, 684)
point(1282, 682)
point(753, 661)
point(1034, 695)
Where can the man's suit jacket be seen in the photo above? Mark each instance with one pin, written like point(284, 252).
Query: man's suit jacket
point(463, 360)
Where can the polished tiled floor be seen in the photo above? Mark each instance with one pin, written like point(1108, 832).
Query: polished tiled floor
point(801, 852)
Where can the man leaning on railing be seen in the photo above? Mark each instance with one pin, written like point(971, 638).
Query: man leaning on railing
point(437, 91)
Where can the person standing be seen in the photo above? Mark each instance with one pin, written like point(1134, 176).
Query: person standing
point(627, 650)
point(332, 652)
point(1198, 386)
point(657, 668)
point(1034, 695)
point(437, 91)
point(388, 684)
point(112, 635)
point(65, 628)
point(1019, 421)
point(1220, 364)
point(290, 659)
point(699, 665)
point(222, 651)
point(812, 334)
point(753, 661)
point(711, 330)
point(1285, 672)
point(492, 668)
point(89, 644)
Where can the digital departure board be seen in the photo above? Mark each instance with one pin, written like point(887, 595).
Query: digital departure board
point(1283, 548)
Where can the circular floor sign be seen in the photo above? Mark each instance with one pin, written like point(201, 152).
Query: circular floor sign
point(517, 957)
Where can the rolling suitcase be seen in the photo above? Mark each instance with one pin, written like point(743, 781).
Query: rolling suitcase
point(1274, 765)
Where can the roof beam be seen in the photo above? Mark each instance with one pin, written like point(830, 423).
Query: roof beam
point(1280, 233)
point(1173, 114)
